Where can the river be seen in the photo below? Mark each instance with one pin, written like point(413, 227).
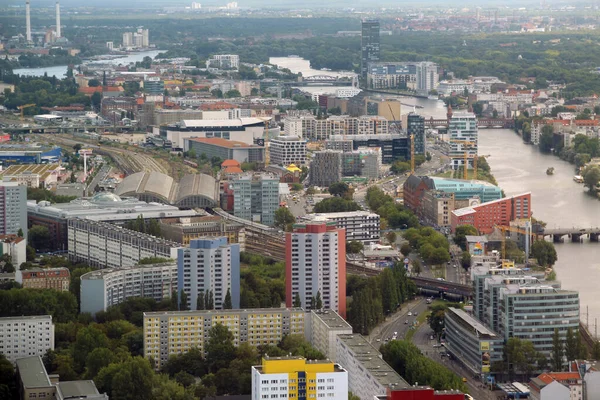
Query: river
point(61, 70)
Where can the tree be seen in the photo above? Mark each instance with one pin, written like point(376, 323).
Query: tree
point(436, 321)
point(220, 350)
point(200, 301)
point(547, 139)
point(284, 219)
point(88, 339)
point(591, 177)
point(218, 93)
point(596, 350)
point(297, 301)
point(354, 247)
point(98, 359)
point(233, 93)
point(20, 232)
point(391, 237)
point(183, 301)
point(465, 259)
point(544, 252)
point(340, 189)
point(93, 82)
point(400, 167)
point(557, 352)
point(130, 380)
point(405, 249)
point(39, 237)
point(227, 303)
point(318, 301)
point(461, 233)
point(416, 267)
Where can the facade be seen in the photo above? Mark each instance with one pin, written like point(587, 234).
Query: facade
point(16, 247)
point(13, 207)
point(362, 226)
point(26, 336)
point(298, 378)
point(427, 77)
point(44, 278)
point(369, 45)
point(104, 207)
point(476, 346)
point(316, 266)
point(486, 216)
point(415, 128)
point(176, 332)
point(393, 146)
point(245, 130)
point(154, 85)
point(421, 77)
point(325, 326)
point(286, 150)
point(326, 168)
point(368, 374)
point(436, 207)
point(209, 267)
point(364, 162)
point(463, 131)
point(183, 230)
point(558, 386)
point(109, 287)
point(32, 175)
point(255, 197)
point(376, 123)
point(103, 245)
point(226, 149)
point(224, 61)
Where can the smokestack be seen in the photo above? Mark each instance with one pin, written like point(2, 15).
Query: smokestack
point(58, 20)
point(28, 21)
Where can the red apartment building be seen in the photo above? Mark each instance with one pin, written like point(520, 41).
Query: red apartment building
point(498, 212)
point(315, 262)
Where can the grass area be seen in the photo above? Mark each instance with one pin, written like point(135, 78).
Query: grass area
point(421, 318)
point(458, 174)
point(439, 272)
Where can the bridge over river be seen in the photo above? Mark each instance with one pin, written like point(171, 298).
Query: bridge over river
point(574, 233)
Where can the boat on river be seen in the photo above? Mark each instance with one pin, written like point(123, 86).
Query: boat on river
point(550, 171)
point(578, 178)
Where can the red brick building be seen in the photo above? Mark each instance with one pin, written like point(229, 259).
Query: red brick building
point(498, 212)
point(413, 190)
point(45, 278)
point(421, 393)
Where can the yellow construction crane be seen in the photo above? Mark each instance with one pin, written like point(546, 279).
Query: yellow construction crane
point(24, 107)
point(466, 158)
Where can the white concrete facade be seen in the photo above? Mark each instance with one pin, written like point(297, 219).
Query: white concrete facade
point(22, 337)
point(286, 150)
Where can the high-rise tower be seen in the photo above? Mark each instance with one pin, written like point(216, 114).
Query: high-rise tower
point(28, 21)
point(369, 45)
point(58, 20)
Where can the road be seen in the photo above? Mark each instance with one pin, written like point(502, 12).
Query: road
point(397, 322)
point(100, 176)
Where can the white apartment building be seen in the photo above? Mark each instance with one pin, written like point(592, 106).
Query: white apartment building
point(26, 336)
point(225, 61)
point(127, 39)
point(368, 374)
point(297, 378)
point(286, 150)
point(213, 265)
point(108, 287)
point(311, 128)
point(463, 138)
point(316, 265)
point(13, 208)
point(427, 76)
point(325, 326)
point(104, 245)
point(363, 226)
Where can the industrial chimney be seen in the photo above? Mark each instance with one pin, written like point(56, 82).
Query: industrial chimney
point(58, 20)
point(28, 21)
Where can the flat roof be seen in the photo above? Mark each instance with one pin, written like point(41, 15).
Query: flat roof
point(214, 123)
point(77, 389)
point(100, 273)
point(224, 143)
point(32, 317)
point(332, 319)
point(219, 312)
point(32, 372)
point(371, 359)
point(474, 323)
point(343, 214)
point(463, 211)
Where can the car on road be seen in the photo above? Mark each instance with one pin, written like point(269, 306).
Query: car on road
point(406, 322)
point(435, 346)
point(409, 314)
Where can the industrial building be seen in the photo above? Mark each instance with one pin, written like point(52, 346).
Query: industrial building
point(209, 268)
point(286, 150)
point(109, 287)
point(104, 245)
point(174, 332)
point(32, 175)
point(255, 197)
point(103, 207)
point(26, 336)
point(363, 226)
point(193, 191)
point(315, 266)
point(227, 149)
point(28, 154)
point(297, 378)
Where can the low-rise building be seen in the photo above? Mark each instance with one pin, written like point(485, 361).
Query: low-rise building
point(108, 287)
point(226, 149)
point(104, 245)
point(44, 278)
point(557, 386)
point(297, 378)
point(474, 345)
point(363, 226)
point(182, 230)
point(32, 175)
point(26, 336)
point(245, 130)
point(14, 246)
point(325, 326)
point(286, 150)
point(176, 332)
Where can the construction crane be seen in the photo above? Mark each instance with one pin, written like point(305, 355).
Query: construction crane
point(466, 158)
point(527, 232)
point(24, 107)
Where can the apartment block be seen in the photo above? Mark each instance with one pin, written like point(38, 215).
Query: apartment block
point(176, 332)
point(286, 150)
point(363, 226)
point(326, 168)
point(463, 131)
point(13, 208)
point(26, 336)
point(209, 265)
point(108, 287)
point(256, 197)
point(104, 245)
point(325, 326)
point(310, 128)
point(316, 265)
point(44, 278)
point(224, 61)
point(486, 216)
point(298, 378)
